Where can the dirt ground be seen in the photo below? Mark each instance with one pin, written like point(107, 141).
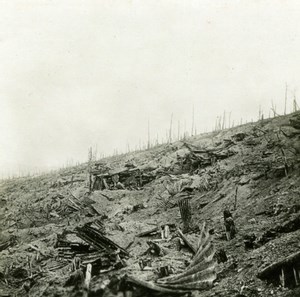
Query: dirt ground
point(255, 176)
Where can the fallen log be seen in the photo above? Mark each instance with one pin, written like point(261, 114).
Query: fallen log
point(108, 198)
point(290, 226)
point(148, 232)
point(186, 241)
point(196, 150)
point(74, 205)
point(275, 267)
point(100, 226)
point(152, 286)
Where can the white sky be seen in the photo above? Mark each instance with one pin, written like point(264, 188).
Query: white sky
point(80, 73)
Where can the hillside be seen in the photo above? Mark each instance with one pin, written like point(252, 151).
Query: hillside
point(252, 171)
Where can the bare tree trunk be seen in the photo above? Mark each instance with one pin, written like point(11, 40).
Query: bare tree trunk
point(148, 144)
point(223, 124)
point(90, 158)
point(193, 121)
point(170, 131)
point(285, 97)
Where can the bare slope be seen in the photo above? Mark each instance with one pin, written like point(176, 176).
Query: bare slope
point(252, 170)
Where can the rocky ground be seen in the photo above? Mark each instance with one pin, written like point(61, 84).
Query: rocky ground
point(251, 170)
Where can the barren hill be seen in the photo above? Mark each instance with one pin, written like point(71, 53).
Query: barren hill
point(141, 214)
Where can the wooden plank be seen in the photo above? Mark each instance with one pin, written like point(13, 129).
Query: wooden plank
point(148, 232)
point(277, 266)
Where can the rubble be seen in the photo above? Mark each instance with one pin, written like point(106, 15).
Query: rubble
point(129, 177)
point(154, 249)
point(9, 243)
point(53, 227)
point(96, 239)
point(295, 121)
point(200, 158)
point(145, 264)
point(199, 275)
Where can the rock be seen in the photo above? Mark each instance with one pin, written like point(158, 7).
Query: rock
point(252, 221)
point(244, 180)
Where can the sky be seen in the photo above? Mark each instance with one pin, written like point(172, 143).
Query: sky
point(76, 74)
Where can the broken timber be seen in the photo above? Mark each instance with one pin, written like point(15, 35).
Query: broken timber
point(185, 212)
point(96, 239)
point(151, 286)
point(167, 228)
point(148, 232)
point(199, 275)
point(286, 271)
point(186, 241)
point(122, 178)
point(200, 158)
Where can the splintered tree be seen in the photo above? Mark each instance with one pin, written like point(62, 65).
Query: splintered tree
point(185, 212)
point(170, 131)
point(224, 121)
point(273, 108)
point(285, 98)
point(148, 143)
point(259, 113)
point(90, 160)
point(295, 105)
point(193, 121)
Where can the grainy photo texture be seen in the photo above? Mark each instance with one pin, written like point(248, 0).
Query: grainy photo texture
point(149, 148)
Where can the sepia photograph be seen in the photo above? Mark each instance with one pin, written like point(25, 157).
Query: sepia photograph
point(150, 148)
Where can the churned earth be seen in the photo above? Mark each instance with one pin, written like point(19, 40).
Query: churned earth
point(251, 170)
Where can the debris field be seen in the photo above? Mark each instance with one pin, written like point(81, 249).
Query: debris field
point(216, 214)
